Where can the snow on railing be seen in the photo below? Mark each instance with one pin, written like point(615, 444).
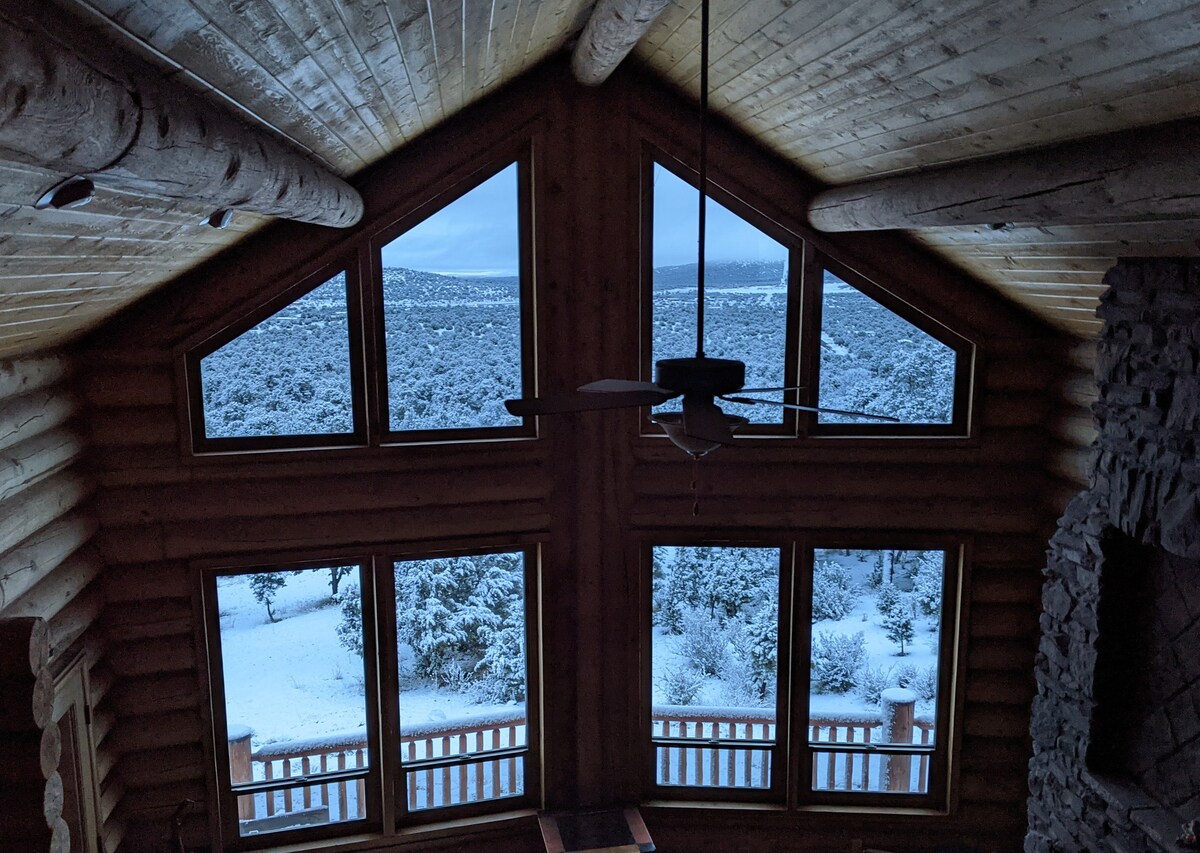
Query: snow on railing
point(474, 778)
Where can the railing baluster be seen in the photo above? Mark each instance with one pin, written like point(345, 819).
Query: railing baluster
point(410, 778)
point(462, 771)
point(496, 764)
point(830, 784)
point(269, 774)
point(512, 762)
point(683, 754)
point(478, 768)
point(341, 788)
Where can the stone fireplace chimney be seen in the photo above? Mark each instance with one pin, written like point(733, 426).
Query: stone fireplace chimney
point(1116, 721)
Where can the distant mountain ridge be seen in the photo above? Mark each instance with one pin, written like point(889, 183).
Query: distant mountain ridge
point(723, 274)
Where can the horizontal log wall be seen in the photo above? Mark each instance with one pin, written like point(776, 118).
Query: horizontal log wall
point(48, 568)
point(587, 487)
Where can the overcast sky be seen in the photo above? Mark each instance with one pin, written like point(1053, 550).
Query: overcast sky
point(477, 234)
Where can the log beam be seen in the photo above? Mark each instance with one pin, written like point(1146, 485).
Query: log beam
point(125, 127)
point(610, 33)
point(1135, 175)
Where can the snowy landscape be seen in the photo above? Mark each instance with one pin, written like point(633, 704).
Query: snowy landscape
point(454, 354)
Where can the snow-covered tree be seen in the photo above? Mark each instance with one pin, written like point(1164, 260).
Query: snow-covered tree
point(705, 643)
point(927, 584)
point(681, 685)
point(759, 647)
point(898, 625)
point(336, 573)
point(265, 585)
point(834, 594)
point(836, 661)
point(448, 609)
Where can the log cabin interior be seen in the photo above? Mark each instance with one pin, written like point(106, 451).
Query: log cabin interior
point(1015, 179)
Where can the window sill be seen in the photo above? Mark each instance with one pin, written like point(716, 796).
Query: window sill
point(468, 832)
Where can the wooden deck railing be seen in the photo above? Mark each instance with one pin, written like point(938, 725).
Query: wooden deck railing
point(708, 747)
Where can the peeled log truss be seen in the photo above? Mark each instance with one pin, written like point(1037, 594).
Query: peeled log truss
point(1132, 176)
point(130, 129)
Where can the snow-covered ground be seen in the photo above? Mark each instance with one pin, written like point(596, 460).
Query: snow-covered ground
point(881, 653)
point(293, 680)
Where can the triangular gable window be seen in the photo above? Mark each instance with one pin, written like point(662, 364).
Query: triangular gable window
point(874, 360)
point(286, 380)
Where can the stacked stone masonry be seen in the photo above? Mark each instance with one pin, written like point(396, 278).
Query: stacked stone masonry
point(1113, 773)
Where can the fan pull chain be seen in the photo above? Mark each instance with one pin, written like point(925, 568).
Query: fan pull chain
point(695, 494)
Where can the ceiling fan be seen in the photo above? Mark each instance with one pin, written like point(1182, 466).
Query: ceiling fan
point(701, 426)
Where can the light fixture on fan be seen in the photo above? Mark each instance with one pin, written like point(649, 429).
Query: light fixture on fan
point(701, 426)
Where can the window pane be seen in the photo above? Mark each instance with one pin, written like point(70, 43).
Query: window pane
point(295, 695)
point(465, 783)
point(452, 313)
point(876, 645)
point(714, 662)
point(463, 674)
point(746, 286)
point(874, 361)
point(289, 375)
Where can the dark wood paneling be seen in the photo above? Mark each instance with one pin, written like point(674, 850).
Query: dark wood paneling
point(585, 488)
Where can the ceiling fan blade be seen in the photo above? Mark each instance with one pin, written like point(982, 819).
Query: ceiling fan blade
point(754, 401)
point(703, 419)
point(768, 390)
point(581, 401)
point(611, 385)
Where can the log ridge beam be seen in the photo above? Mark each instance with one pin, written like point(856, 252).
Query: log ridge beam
point(611, 32)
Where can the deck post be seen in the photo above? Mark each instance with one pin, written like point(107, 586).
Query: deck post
point(239, 766)
point(897, 711)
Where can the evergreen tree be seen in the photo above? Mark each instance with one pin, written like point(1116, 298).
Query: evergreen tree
point(898, 625)
point(833, 591)
point(265, 585)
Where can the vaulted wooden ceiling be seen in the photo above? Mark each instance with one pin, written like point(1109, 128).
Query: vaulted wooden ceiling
point(847, 89)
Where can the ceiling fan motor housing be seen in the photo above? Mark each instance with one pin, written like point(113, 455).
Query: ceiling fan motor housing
point(706, 376)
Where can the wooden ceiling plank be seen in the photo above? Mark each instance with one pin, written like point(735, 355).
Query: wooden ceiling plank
point(447, 25)
point(920, 68)
point(681, 15)
point(476, 33)
point(1144, 107)
point(255, 34)
point(134, 290)
point(744, 22)
point(550, 30)
point(413, 30)
point(1018, 67)
point(356, 61)
point(373, 44)
point(500, 43)
point(865, 60)
point(181, 33)
point(1146, 94)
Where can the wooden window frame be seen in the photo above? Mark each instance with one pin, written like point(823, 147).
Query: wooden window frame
point(385, 779)
point(779, 750)
point(816, 264)
point(652, 156)
point(806, 266)
point(360, 260)
point(792, 765)
point(73, 705)
point(522, 157)
point(202, 444)
point(531, 752)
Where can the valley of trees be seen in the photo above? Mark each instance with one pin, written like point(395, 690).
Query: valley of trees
point(453, 352)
